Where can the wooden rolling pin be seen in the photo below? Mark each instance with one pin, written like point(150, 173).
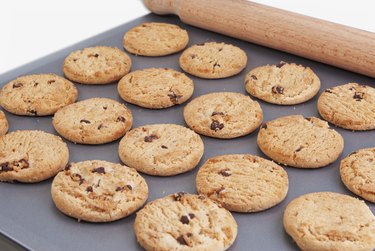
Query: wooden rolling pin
point(342, 46)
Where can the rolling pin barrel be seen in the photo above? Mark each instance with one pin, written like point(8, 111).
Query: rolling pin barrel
point(338, 45)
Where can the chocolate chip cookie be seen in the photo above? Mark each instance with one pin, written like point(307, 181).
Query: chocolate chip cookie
point(98, 191)
point(185, 222)
point(161, 149)
point(223, 115)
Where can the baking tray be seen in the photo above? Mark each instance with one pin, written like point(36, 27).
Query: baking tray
point(29, 217)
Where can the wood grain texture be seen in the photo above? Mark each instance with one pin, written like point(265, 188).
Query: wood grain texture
point(338, 45)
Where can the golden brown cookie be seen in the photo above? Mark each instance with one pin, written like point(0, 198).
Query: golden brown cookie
point(98, 191)
point(156, 88)
point(155, 39)
point(213, 60)
point(97, 65)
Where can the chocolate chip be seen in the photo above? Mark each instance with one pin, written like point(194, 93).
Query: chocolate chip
point(181, 240)
point(281, 64)
point(51, 81)
point(220, 49)
point(22, 163)
point(225, 173)
point(36, 84)
point(220, 190)
point(164, 147)
point(217, 113)
point(254, 77)
point(75, 59)
point(278, 89)
point(94, 55)
point(129, 187)
point(217, 65)
point(4, 167)
point(299, 149)
point(67, 167)
point(184, 219)
point(192, 216)
point(17, 85)
point(177, 196)
point(193, 56)
point(201, 197)
point(32, 112)
point(189, 235)
point(216, 125)
point(105, 107)
point(328, 91)
point(89, 189)
point(352, 89)
point(120, 119)
point(358, 96)
point(100, 126)
point(150, 138)
point(174, 97)
point(77, 177)
point(85, 121)
point(118, 189)
point(99, 170)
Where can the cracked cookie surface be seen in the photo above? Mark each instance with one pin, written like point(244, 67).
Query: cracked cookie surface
point(93, 121)
point(283, 84)
point(4, 126)
point(155, 39)
point(358, 173)
point(97, 65)
point(161, 149)
point(300, 142)
point(329, 221)
point(37, 95)
point(223, 115)
point(243, 183)
point(213, 60)
point(31, 156)
point(98, 191)
point(350, 106)
point(156, 88)
point(185, 222)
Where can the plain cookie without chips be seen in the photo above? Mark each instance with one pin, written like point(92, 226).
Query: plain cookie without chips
point(327, 221)
point(156, 88)
point(283, 84)
point(4, 126)
point(155, 39)
point(37, 95)
point(31, 156)
point(161, 149)
point(185, 222)
point(93, 121)
point(223, 115)
point(97, 65)
point(213, 60)
point(358, 173)
point(350, 106)
point(98, 191)
point(300, 142)
point(238, 182)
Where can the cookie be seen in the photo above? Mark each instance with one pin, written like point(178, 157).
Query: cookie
point(31, 156)
point(223, 115)
point(93, 121)
point(358, 173)
point(237, 182)
point(97, 65)
point(283, 84)
point(98, 191)
point(3, 124)
point(300, 142)
point(213, 60)
point(37, 95)
point(350, 106)
point(156, 88)
point(329, 221)
point(161, 149)
point(185, 222)
point(155, 39)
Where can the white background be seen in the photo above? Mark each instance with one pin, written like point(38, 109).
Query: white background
point(33, 28)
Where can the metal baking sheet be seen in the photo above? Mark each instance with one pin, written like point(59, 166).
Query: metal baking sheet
point(29, 217)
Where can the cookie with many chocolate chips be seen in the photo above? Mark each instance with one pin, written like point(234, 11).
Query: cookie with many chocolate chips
point(213, 60)
point(237, 182)
point(98, 191)
point(161, 149)
point(327, 221)
point(223, 115)
point(300, 142)
point(31, 156)
point(358, 173)
point(93, 121)
point(283, 84)
point(185, 222)
point(3, 124)
point(37, 95)
point(155, 39)
point(156, 88)
point(97, 65)
point(350, 106)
